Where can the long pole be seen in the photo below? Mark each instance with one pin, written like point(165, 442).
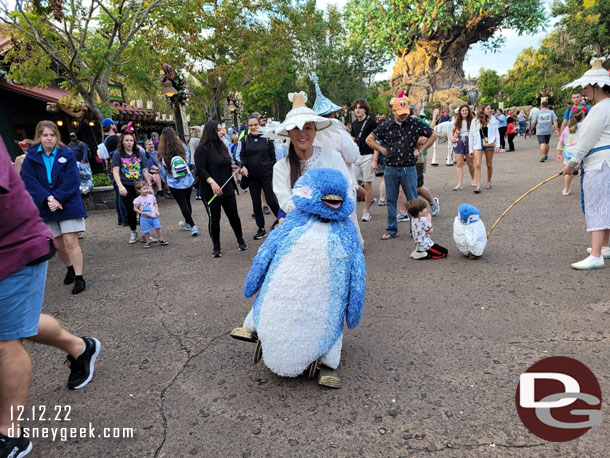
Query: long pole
point(519, 200)
point(230, 178)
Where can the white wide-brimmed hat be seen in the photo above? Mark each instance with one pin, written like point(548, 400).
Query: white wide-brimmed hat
point(595, 75)
point(297, 118)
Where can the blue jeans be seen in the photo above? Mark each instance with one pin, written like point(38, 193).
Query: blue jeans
point(395, 177)
point(521, 127)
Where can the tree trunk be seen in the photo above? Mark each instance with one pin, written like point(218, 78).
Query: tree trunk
point(433, 70)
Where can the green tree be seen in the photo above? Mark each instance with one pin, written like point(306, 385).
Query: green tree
point(431, 37)
point(84, 43)
point(489, 84)
point(586, 22)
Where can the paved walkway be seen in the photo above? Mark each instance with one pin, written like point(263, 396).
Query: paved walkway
point(432, 368)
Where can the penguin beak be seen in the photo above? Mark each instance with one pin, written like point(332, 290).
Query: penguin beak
point(332, 201)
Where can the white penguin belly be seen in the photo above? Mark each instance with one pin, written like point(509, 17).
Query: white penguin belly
point(294, 314)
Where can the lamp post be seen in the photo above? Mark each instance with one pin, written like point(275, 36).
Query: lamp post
point(544, 93)
point(170, 92)
point(233, 107)
point(501, 96)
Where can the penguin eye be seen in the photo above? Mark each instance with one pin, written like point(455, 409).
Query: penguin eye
point(303, 191)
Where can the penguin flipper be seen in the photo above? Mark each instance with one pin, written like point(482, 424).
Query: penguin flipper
point(260, 263)
point(357, 288)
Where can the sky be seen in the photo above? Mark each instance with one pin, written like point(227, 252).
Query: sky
point(500, 61)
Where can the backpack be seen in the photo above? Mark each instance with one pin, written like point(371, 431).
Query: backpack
point(179, 167)
point(102, 151)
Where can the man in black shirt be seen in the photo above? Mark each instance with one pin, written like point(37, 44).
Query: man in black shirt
point(399, 138)
point(361, 128)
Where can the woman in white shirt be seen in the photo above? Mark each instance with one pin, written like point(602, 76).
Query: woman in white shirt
point(459, 136)
point(302, 126)
point(593, 149)
point(484, 138)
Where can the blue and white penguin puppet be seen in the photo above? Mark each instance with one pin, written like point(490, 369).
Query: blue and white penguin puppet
point(469, 231)
point(311, 275)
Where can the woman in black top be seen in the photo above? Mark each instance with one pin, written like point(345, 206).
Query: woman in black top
point(257, 159)
point(214, 168)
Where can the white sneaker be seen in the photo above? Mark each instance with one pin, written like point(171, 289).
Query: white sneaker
point(133, 238)
point(381, 202)
point(605, 252)
point(366, 216)
point(418, 254)
point(589, 264)
point(435, 207)
point(565, 193)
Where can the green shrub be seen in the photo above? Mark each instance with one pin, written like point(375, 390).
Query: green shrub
point(101, 179)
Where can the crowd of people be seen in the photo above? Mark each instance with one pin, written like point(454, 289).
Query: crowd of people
point(42, 190)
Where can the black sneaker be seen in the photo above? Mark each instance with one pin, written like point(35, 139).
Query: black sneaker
point(81, 368)
point(242, 245)
point(14, 447)
point(69, 278)
point(266, 210)
point(79, 286)
point(216, 253)
point(260, 234)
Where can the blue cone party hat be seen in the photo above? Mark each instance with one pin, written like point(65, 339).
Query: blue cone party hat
point(323, 105)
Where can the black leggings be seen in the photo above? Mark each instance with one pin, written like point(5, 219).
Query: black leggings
point(256, 184)
point(132, 216)
point(511, 144)
point(229, 203)
point(183, 199)
point(502, 131)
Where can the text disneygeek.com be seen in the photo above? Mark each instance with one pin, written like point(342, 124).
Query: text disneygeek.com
point(66, 433)
point(21, 416)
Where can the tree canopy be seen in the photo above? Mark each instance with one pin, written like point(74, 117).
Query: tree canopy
point(85, 43)
point(398, 25)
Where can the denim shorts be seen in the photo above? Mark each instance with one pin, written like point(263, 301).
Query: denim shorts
point(146, 224)
point(21, 297)
point(544, 139)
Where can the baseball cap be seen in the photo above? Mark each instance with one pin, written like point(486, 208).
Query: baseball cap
point(72, 134)
point(107, 122)
point(400, 104)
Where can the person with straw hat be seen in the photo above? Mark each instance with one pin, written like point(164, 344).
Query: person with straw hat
point(310, 139)
point(593, 150)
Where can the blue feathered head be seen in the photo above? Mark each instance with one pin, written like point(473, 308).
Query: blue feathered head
point(323, 192)
point(468, 213)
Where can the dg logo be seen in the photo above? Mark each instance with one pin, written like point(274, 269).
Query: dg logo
point(559, 399)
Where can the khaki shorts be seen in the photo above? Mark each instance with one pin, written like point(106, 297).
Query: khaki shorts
point(67, 226)
point(362, 168)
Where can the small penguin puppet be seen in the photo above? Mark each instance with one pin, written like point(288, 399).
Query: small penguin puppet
point(469, 231)
point(310, 276)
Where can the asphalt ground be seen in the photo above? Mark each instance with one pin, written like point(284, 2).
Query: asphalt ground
point(432, 369)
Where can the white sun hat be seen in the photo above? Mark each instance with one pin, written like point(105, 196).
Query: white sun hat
point(297, 118)
point(595, 75)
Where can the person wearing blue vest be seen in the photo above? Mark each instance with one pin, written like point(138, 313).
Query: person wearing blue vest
point(51, 177)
